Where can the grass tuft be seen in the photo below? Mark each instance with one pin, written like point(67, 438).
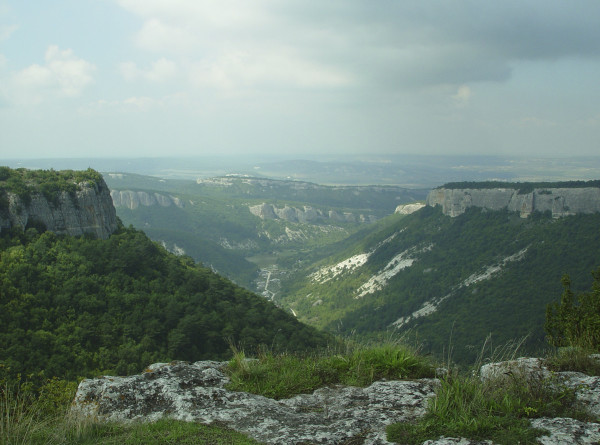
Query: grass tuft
point(497, 410)
point(575, 359)
point(19, 418)
point(284, 375)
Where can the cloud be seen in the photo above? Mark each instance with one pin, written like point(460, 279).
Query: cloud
point(251, 69)
point(160, 71)
point(6, 31)
point(62, 75)
point(462, 96)
point(535, 122)
point(398, 45)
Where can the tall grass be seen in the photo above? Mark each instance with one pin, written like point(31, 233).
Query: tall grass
point(19, 417)
point(495, 409)
point(26, 419)
point(284, 375)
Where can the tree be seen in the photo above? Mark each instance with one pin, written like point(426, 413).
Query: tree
point(575, 321)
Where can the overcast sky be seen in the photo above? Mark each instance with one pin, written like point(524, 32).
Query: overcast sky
point(81, 78)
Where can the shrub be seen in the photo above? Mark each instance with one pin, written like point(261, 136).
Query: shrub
point(575, 321)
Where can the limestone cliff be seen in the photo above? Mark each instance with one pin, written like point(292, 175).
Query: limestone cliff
point(307, 214)
point(133, 199)
point(560, 201)
point(87, 209)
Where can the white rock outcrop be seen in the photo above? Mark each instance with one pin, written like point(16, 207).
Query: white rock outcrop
point(407, 209)
point(559, 201)
point(195, 392)
point(335, 415)
point(89, 210)
point(134, 199)
point(306, 214)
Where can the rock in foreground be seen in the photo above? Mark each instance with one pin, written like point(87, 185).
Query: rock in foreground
point(337, 415)
point(195, 392)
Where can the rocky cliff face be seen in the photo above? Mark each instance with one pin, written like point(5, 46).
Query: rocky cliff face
point(560, 201)
point(133, 199)
point(336, 415)
point(89, 210)
point(307, 214)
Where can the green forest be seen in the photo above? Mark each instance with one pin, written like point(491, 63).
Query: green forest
point(522, 187)
point(50, 183)
point(509, 305)
point(73, 307)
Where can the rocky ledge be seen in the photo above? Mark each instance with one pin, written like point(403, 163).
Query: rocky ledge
point(336, 415)
point(195, 392)
point(89, 210)
point(559, 201)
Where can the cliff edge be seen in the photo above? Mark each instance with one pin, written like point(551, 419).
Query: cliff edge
point(65, 202)
point(560, 201)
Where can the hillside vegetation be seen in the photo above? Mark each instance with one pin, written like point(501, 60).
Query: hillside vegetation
point(49, 183)
point(444, 278)
point(79, 306)
point(213, 222)
point(523, 187)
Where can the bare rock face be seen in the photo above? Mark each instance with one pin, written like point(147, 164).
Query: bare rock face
point(407, 209)
point(567, 431)
point(307, 214)
point(559, 201)
point(88, 211)
point(195, 392)
point(134, 199)
point(335, 415)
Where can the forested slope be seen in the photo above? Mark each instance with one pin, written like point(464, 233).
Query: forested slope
point(449, 281)
point(80, 306)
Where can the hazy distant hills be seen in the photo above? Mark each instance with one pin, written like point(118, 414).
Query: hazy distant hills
point(412, 171)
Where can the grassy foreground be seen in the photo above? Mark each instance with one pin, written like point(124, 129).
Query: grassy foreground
point(501, 409)
point(285, 375)
point(464, 407)
point(41, 417)
point(23, 421)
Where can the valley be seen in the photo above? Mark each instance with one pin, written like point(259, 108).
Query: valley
point(253, 230)
point(342, 259)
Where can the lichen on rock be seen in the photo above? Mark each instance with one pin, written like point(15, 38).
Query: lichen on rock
point(196, 392)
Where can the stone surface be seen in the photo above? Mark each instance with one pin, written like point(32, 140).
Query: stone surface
point(195, 392)
point(529, 368)
point(334, 415)
point(457, 441)
point(559, 201)
point(88, 211)
point(407, 209)
point(134, 199)
point(565, 431)
point(306, 214)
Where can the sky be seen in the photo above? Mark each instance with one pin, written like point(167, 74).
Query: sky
point(145, 78)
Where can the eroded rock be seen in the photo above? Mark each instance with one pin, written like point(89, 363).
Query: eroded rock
point(89, 210)
point(334, 415)
point(559, 201)
point(196, 392)
point(565, 431)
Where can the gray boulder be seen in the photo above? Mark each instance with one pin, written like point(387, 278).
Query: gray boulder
point(196, 392)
